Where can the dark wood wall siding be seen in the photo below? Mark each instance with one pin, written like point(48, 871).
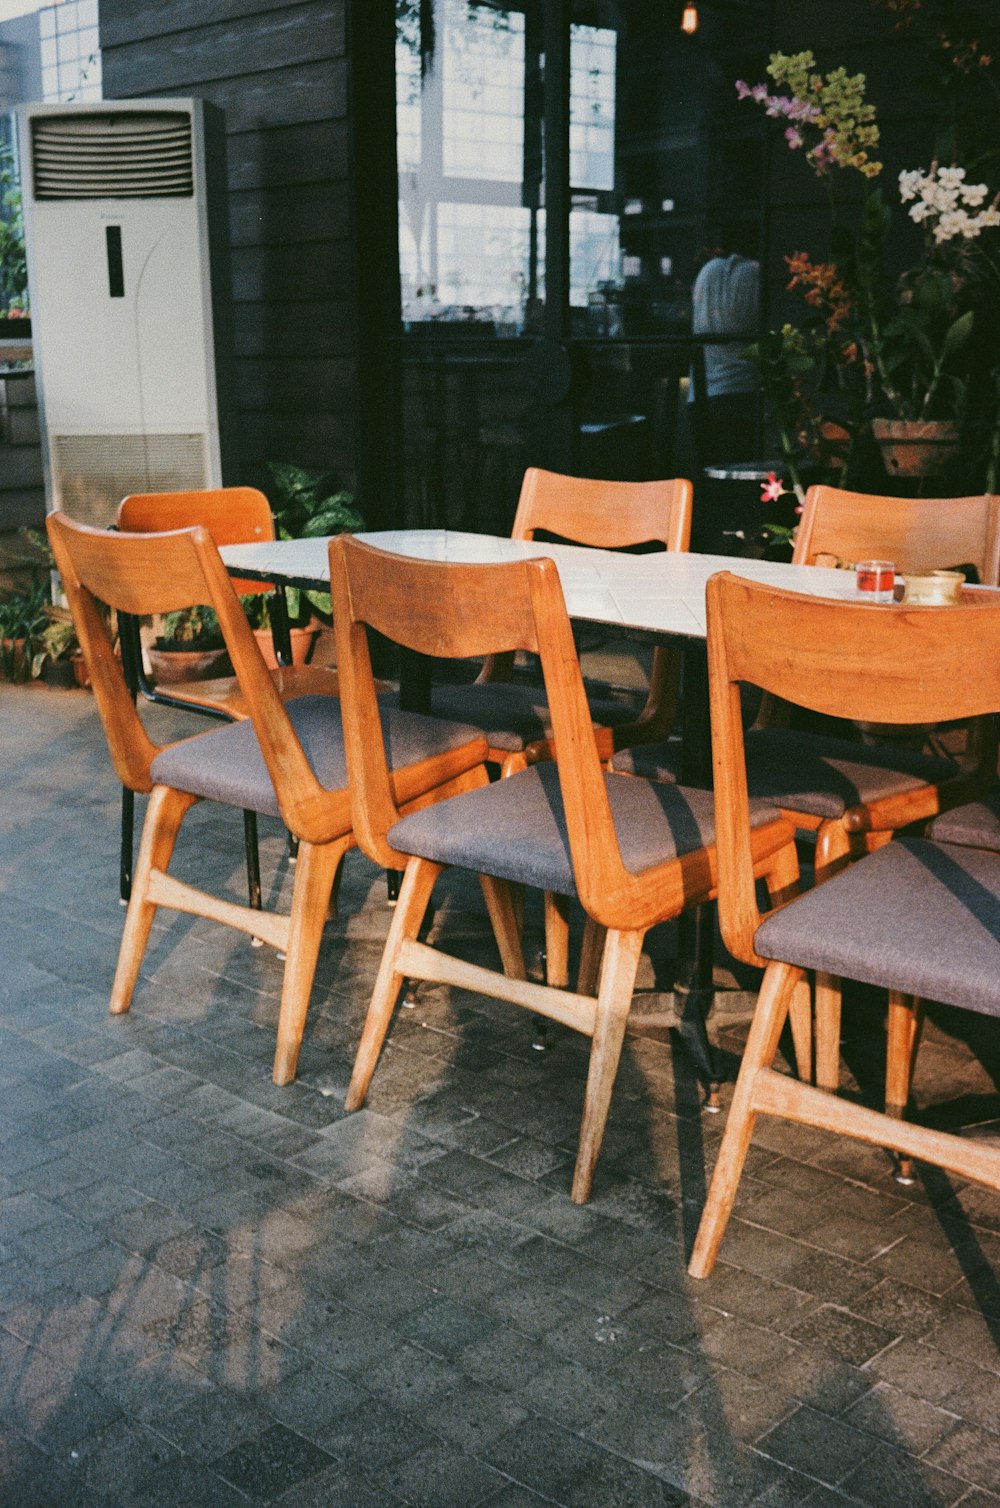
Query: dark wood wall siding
point(280, 73)
point(310, 327)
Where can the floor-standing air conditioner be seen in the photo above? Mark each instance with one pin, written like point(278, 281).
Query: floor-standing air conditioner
point(125, 210)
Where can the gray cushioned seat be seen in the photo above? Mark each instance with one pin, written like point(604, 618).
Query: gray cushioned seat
point(225, 764)
point(516, 829)
point(975, 825)
point(806, 772)
point(515, 715)
point(915, 916)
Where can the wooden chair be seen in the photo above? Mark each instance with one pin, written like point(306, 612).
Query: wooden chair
point(853, 796)
point(918, 533)
point(285, 759)
point(917, 917)
point(633, 852)
point(515, 717)
point(232, 515)
point(606, 515)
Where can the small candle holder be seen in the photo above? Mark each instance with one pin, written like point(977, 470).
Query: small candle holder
point(875, 580)
point(936, 589)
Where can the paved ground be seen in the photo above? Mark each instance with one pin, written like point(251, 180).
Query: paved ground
point(215, 1292)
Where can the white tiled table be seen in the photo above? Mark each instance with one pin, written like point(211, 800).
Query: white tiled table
point(657, 596)
point(662, 594)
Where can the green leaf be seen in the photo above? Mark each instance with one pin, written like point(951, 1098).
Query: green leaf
point(958, 334)
point(321, 605)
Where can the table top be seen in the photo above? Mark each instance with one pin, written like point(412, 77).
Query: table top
point(662, 593)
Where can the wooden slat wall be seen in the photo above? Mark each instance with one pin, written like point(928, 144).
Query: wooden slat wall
point(279, 71)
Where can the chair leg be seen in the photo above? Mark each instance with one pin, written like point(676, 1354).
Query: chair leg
point(414, 895)
point(164, 815)
point(905, 1022)
point(780, 981)
point(622, 953)
point(827, 1032)
point(800, 1016)
point(253, 858)
point(591, 953)
point(783, 885)
point(556, 940)
point(314, 872)
point(833, 853)
point(503, 916)
point(125, 853)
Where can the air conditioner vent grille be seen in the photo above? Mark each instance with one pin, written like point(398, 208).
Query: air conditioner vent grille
point(133, 155)
point(92, 473)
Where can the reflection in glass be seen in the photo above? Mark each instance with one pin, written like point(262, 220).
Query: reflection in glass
point(470, 222)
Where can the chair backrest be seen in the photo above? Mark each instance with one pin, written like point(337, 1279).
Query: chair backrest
point(456, 611)
point(139, 574)
point(609, 515)
point(844, 659)
point(918, 534)
point(232, 515)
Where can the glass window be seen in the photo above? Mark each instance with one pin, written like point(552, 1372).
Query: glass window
point(592, 107)
point(469, 212)
point(71, 57)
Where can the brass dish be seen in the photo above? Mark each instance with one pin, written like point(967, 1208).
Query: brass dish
point(935, 589)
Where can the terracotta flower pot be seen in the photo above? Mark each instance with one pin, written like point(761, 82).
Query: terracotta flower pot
point(302, 642)
point(171, 665)
point(915, 447)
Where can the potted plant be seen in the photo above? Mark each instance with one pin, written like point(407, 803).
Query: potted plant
point(903, 364)
point(305, 505)
point(59, 655)
point(23, 620)
point(188, 646)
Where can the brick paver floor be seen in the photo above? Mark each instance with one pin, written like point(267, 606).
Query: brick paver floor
point(216, 1292)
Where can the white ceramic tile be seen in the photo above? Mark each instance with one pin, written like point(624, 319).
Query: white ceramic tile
point(662, 593)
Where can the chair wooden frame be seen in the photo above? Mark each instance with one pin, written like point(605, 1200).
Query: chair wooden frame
point(846, 660)
point(459, 610)
point(609, 516)
point(142, 574)
point(918, 535)
point(232, 515)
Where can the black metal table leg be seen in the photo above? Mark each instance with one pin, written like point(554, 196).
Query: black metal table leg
point(125, 858)
point(414, 681)
point(694, 986)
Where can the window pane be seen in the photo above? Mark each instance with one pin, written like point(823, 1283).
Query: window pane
point(469, 210)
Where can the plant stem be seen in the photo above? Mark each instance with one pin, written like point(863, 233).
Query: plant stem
point(785, 441)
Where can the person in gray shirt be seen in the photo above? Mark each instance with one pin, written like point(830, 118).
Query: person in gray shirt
point(726, 301)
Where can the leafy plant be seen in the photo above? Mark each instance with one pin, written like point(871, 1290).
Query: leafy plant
point(13, 263)
point(194, 627)
point(306, 505)
point(309, 504)
point(875, 346)
point(24, 617)
point(58, 639)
